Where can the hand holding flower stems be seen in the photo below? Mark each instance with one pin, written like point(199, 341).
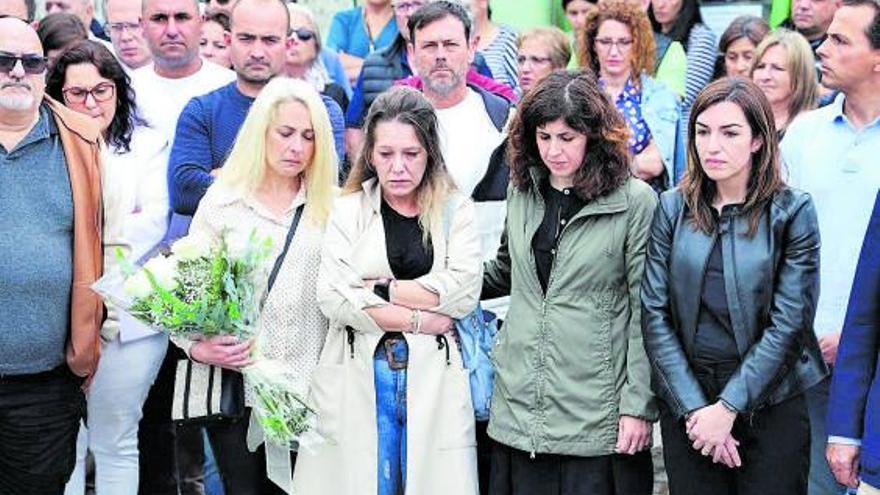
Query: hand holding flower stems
point(224, 351)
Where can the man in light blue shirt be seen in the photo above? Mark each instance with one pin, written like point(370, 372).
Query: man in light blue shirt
point(834, 154)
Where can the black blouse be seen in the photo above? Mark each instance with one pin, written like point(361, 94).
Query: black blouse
point(714, 342)
point(559, 208)
point(409, 257)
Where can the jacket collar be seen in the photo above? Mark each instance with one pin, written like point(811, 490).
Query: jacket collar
point(373, 193)
point(77, 123)
point(613, 202)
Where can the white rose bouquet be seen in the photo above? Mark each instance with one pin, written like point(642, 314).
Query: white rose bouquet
point(198, 290)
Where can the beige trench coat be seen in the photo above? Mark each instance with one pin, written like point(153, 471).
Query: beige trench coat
point(441, 447)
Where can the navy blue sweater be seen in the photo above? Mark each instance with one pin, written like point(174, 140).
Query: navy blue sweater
point(206, 131)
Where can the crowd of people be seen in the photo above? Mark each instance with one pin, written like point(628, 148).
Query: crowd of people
point(646, 210)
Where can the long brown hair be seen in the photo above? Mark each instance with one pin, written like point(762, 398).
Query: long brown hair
point(407, 106)
point(801, 65)
point(629, 13)
point(574, 97)
point(765, 176)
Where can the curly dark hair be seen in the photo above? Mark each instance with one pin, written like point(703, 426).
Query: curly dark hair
point(574, 97)
point(118, 135)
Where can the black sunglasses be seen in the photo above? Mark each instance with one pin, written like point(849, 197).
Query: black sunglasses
point(304, 34)
point(33, 64)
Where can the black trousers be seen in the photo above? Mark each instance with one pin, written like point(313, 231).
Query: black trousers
point(242, 472)
point(514, 472)
point(774, 448)
point(171, 458)
point(39, 421)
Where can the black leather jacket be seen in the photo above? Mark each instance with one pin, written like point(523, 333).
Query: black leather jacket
point(772, 282)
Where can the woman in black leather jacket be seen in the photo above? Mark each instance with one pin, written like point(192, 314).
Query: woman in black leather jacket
point(728, 299)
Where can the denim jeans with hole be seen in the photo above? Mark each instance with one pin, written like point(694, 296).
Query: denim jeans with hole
point(391, 417)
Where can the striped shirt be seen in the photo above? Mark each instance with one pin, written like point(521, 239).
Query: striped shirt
point(702, 50)
point(501, 55)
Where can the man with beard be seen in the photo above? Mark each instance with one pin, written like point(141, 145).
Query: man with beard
point(472, 132)
point(50, 253)
point(207, 128)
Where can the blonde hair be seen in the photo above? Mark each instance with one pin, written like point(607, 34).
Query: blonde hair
point(554, 40)
point(801, 65)
point(246, 166)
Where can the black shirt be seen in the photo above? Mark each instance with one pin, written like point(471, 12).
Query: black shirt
point(714, 342)
point(559, 208)
point(408, 255)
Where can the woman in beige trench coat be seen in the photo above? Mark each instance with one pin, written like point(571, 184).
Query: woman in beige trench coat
point(392, 398)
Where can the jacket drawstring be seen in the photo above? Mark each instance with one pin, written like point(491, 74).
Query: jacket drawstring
point(443, 343)
point(350, 332)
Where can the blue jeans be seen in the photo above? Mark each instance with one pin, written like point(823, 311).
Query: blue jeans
point(391, 414)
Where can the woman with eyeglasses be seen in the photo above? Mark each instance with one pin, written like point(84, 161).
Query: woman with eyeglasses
point(618, 46)
point(304, 60)
point(539, 52)
point(212, 45)
point(87, 78)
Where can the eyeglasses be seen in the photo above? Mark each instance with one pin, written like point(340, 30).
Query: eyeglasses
point(75, 95)
point(408, 6)
point(607, 44)
point(118, 28)
point(32, 64)
point(303, 34)
point(523, 60)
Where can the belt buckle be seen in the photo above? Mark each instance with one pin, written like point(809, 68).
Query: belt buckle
point(393, 363)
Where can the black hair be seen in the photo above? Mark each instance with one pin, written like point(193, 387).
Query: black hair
point(119, 132)
point(687, 18)
point(873, 31)
point(435, 11)
point(58, 30)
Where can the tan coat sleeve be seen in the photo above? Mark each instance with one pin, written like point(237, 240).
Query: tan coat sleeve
point(458, 284)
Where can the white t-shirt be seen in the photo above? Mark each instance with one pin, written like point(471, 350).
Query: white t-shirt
point(467, 139)
point(160, 99)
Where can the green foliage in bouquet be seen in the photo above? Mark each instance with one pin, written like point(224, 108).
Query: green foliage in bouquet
point(282, 414)
point(201, 290)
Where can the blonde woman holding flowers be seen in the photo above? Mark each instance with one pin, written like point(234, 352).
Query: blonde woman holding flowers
point(282, 161)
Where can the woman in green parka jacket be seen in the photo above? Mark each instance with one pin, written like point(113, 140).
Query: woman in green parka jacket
point(572, 406)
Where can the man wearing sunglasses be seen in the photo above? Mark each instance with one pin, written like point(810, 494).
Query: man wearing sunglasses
point(50, 253)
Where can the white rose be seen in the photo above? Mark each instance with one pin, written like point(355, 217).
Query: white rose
point(137, 286)
point(190, 248)
point(237, 245)
point(164, 270)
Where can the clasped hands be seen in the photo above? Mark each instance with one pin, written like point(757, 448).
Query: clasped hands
point(709, 428)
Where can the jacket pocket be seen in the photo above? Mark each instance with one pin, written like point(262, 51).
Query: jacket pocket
point(457, 411)
point(327, 396)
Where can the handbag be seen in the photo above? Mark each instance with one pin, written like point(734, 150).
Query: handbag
point(205, 393)
point(476, 335)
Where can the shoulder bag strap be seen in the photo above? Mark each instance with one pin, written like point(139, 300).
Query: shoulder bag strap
point(280, 259)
